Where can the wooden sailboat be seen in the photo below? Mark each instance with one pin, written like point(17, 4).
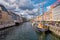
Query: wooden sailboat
point(41, 27)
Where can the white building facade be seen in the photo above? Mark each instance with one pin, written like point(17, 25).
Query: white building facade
point(56, 13)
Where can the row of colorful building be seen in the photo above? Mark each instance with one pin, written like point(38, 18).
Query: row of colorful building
point(8, 18)
point(52, 15)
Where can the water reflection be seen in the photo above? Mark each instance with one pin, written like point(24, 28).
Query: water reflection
point(25, 32)
point(4, 33)
point(49, 36)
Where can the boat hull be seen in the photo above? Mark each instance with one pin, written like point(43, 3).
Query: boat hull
point(41, 29)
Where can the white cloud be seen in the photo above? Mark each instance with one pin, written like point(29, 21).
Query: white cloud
point(26, 4)
point(22, 4)
point(28, 13)
point(48, 8)
point(24, 7)
point(3, 2)
point(12, 1)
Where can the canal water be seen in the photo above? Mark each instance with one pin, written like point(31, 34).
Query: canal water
point(24, 32)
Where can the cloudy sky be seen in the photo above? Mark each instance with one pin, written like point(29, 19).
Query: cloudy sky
point(28, 8)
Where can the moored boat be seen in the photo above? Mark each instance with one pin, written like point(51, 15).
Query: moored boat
point(41, 28)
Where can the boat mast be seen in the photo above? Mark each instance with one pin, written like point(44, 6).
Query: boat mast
point(39, 10)
point(43, 13)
